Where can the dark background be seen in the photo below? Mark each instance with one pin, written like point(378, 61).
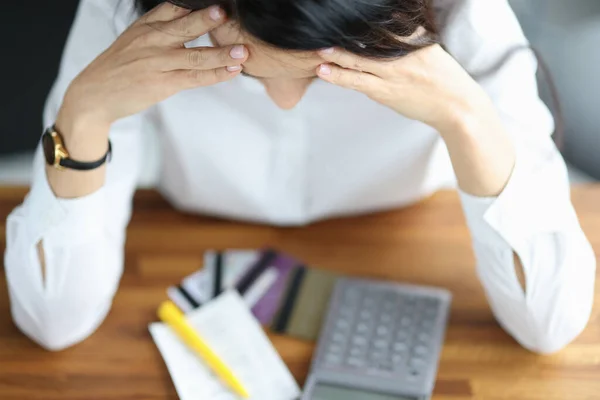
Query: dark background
point(35, 34)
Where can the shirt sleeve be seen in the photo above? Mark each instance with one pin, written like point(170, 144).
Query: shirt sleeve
point(82, 238)
point(533, 216)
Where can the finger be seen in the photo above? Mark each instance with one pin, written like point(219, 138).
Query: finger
point(164, 12)
point(352, 61)
point(192, 25)
point(203, 58)
point(196, 77)
point(348, 78)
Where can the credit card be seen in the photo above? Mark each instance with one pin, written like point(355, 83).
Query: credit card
point(268, 305)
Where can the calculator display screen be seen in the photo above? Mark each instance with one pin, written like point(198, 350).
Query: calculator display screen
point(329, 392)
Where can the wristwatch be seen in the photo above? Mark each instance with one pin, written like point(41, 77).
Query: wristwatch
point(57, 155)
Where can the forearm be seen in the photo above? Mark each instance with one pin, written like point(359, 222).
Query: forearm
point(533, 259)
point(86, 141)
point(482, 153)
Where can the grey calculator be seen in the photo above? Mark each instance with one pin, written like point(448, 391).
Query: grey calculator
point(379, 341)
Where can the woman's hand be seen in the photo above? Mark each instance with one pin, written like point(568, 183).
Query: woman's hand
point(149, 63)
point(430, 86)
point(427, 85)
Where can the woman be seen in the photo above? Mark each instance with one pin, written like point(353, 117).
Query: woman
point(288, 144)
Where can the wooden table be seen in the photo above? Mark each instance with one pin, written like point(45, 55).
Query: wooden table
point(425, 244)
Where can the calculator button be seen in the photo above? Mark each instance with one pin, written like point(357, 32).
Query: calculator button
point(382, 336)
point(380, 344)
point(427, 324)
point(346, 312)
point(369, 302)
point(397, 359)
point(342, 324)
point(366, 315)
point(357, 352)
point(355, 362)
point(402, 335)
point(335, 348)
point(338, 337)
point(431, 311)
point(333, 359)
point(421, 351)
point(382, 330)
point(385, 365)
point(359, 340)
point(403, 332)
point(424, 337)
point(400, 346)
point(416, 363)
point(405, 321)
point(377, 355)
point(385, 318)
point(362, 328)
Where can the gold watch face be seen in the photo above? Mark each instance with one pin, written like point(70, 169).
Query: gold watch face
point(54, 150)
point(49, 148)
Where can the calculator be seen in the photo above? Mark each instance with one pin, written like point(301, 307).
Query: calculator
point(379, 341)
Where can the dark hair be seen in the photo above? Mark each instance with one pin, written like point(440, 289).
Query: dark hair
point(369, 28)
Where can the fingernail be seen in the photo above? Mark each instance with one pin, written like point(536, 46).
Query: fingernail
point(324, 69)
point(328, 51)
point(237, 52)
point(234, 68)
point(215, 13)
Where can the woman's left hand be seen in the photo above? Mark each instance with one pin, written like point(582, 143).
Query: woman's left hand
point(428, 85)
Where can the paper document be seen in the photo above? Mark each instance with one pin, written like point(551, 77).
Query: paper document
point(232, 332)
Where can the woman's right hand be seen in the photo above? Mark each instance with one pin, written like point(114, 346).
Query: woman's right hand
point(147, 64)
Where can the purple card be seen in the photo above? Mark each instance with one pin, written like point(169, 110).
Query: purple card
point(266, 308)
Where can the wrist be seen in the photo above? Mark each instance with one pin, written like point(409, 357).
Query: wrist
point(85, 137)
point(482, 151)
point(467, 117)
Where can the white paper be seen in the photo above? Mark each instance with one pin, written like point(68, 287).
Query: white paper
point(229, 328)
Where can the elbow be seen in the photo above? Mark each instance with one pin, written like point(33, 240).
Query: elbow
point(47, 338)
point(60, 299)
point(60, 313)
point(566, 321)
point(551, 341)
point(55, 337)
point(568, 308)
point(59, 326)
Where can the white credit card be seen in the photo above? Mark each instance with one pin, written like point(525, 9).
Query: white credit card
point(179, 299)
point(195, 285)
point(235, 264)
point(198, 288)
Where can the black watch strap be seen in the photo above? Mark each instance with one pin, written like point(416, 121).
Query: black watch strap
point(58, 156)
point(86, 166)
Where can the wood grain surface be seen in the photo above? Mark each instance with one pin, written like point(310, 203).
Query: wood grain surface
point(427, 243)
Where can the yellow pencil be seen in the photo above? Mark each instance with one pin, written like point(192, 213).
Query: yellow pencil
point(170, 314)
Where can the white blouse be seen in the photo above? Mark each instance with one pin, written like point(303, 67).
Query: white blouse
point(229, 151)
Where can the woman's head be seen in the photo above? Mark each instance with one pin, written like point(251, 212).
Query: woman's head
point(282, 36)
